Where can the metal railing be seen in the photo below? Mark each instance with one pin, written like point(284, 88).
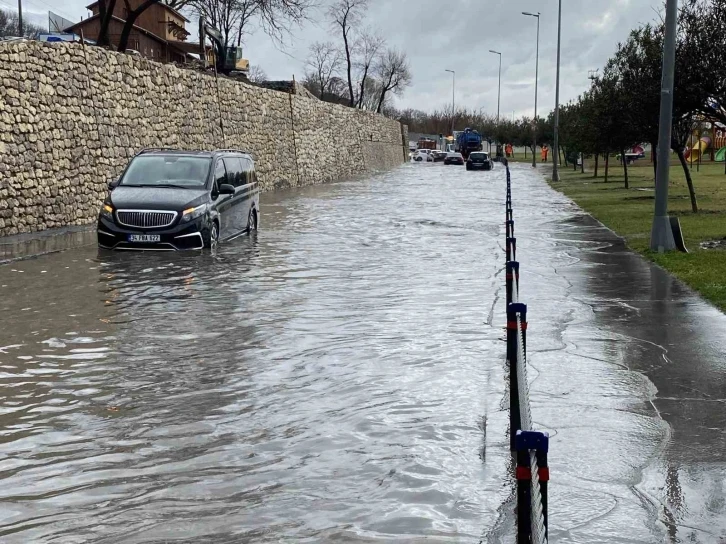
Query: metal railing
point(529, 445)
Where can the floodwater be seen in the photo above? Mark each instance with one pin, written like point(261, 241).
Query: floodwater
point(340, 377)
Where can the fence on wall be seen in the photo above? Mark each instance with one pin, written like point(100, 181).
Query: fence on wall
point(529, 446)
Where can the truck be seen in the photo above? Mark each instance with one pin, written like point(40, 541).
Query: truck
point(468, 141)
point(426, 143)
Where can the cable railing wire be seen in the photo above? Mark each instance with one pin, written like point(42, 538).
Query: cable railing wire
point(531, 446)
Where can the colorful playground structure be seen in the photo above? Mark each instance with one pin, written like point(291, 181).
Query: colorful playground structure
point(712, 140)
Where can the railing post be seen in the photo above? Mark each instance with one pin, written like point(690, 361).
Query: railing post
point(544, 478)
point(524, 498)
point(539, 443)
point(512, 279)
point(511, 249)
point(515, 417)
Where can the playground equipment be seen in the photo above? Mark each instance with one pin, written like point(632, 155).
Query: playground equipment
point(712, 139)
point(703, 145)
point(720, 145)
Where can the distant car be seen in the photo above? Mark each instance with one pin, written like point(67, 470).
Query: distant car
point(439, 156)
point(172, 199)
point(630, 158)
point(423, 155)
point(479, 160)
point(454, 158)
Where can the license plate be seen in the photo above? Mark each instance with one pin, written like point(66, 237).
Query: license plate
point(144, 238)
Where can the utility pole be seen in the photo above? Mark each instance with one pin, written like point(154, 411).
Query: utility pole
point(202, 40)
point(499, 93)
point(20, 18)
point(536, 89)
point(556, 154)
point(661, 235)
point(453, 99)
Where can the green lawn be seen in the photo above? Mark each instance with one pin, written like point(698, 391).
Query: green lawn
point(629, 212)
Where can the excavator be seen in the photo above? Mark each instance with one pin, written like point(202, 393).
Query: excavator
point(227, 58)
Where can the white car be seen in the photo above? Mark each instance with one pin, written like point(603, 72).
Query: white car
point(423, 155)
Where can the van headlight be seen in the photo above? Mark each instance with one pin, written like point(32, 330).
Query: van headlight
point(193, 213)
point(107, 212)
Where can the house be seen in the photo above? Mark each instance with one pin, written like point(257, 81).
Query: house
point(159, 33)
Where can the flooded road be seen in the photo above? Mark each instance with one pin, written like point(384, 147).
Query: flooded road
point(340, 377)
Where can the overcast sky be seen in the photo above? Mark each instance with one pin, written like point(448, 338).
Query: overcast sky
point(457, 35)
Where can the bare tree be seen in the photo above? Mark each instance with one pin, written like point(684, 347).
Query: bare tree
point(367, 51)
point(10, 26)
point(235, 18)
point(346, 15)
point(371, 94)
point(394, 74)
point(224, 15)
point(321, 66)
point(256, 74)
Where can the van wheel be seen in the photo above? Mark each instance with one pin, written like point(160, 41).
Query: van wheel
point(252, 221)
point(211, 236)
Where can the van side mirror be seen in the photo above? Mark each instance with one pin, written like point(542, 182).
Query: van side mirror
point(113, 184)
point(226, 189)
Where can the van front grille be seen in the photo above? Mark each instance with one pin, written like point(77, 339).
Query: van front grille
point(145, 219)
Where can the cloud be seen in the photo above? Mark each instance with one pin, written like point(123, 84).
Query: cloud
point(458, 34)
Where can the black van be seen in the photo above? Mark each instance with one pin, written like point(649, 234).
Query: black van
point(169, 199)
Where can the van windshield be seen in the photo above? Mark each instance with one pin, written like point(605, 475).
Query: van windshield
point(167, 170)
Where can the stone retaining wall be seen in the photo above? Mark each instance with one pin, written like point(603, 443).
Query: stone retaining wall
point(70, 118)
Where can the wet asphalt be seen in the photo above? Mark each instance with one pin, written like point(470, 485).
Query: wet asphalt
point(340, 377)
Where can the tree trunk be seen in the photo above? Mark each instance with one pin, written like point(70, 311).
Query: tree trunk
point(105, 11)
point(381, 100)
point(597, 163)
point(625, 168)
point(607, 166)
point(123, 41)
point(582, 163)
point(689, 181)
point(361, 96)
point(350, 74)
point(384, 91)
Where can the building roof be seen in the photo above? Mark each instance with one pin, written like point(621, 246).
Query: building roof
point(168, 8)
point(176, 45)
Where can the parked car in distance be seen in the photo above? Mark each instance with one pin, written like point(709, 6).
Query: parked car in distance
point(439, 156)
point(168, 199)
point(423, 155)
point(454, 158)
point(479, 160)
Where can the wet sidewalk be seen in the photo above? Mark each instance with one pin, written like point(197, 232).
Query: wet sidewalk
point(629, 376)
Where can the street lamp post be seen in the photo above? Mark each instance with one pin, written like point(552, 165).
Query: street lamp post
point(556, 154)
point(499, 93)
point(536, 83)
point(453, 99)
point(661, 235)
